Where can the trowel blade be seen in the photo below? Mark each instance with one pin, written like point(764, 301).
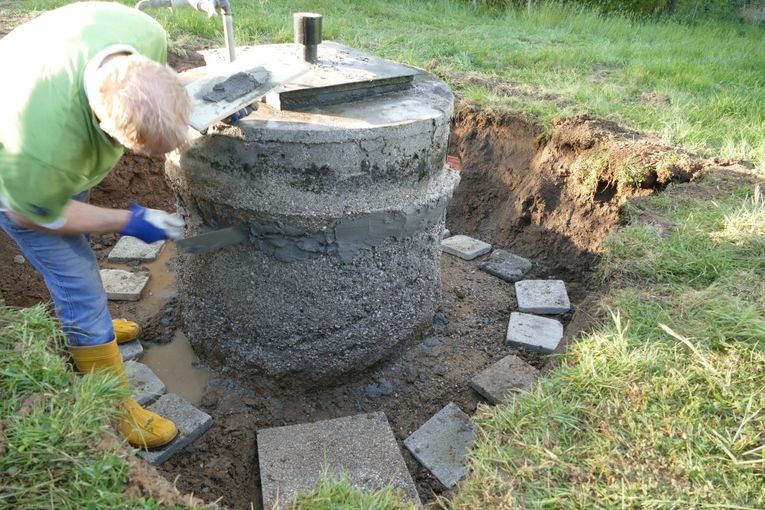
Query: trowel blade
point(210, 241)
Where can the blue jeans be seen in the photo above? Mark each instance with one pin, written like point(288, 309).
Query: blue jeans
point(71, 273)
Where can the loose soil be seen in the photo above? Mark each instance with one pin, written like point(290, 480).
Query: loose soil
point(518, 191)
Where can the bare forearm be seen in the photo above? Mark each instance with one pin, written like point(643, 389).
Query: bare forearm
point(81, 218)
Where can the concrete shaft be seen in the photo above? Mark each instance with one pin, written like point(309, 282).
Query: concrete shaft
point(345, 205)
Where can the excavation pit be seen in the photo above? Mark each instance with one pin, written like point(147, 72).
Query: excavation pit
point(519, 191)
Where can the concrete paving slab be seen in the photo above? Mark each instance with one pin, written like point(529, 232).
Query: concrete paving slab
point(123, 285)
point(131, 350)
point(294, 458)
point(465, 247)
point(533, 332)
point(507, 266)
point(508, 375)
point(191, 423)
point(442, 444)
point(130, 248)
point(542, 296)
point(147, 387)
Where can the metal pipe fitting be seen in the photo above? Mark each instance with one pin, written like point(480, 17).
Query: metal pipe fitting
point(307, 28)
point(209, 7)
point(224, 6)
point(228, 33)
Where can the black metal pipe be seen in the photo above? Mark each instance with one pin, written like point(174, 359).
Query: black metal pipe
point(307, 28)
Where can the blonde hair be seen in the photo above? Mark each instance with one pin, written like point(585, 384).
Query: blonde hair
point(140, 103)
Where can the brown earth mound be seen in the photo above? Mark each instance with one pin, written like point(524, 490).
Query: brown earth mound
point(553, 198)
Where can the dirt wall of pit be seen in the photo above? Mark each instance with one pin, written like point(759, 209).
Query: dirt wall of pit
point(553, 196)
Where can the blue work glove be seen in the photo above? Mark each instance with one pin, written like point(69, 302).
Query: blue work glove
point(234, 118)
point(151, 225)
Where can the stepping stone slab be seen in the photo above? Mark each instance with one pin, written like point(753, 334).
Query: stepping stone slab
point(508, 375)
point(507, 266)
point(191, 423)
point(147, 387)
point(131, 351)
point(130, 248)
point(547, 297)
point(532, 332)
point(442, 444)
point(123, 285)
point(465, 247)
point(362, 447)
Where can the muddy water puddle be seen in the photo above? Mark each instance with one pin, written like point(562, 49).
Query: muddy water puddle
point(177, 366)
point(161, 285)
point(175, 363)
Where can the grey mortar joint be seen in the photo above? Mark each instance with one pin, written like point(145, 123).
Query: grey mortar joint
point(347, 236)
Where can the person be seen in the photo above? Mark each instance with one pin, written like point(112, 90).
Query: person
point(81, 83)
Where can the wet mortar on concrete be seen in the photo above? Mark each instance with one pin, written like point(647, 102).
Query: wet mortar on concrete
point(231, 88)
point(344, 269)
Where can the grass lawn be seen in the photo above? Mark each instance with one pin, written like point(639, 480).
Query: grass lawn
point(663, 404)
point(52, 422)
point(699, 86)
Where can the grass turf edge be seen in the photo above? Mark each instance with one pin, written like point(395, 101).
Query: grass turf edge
point(661, 405)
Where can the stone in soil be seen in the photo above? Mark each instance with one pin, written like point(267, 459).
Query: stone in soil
point(381, 388)
point(191, 423)
point(147, 387)
point(442, 444)
point(431, 341)
point(507, 266)
point(535, 333)
point(123, 285)
point(465, 247)
point(131, 350)
point(508, 375)
point(547, 297)
point(131, 248)
point(295, 458)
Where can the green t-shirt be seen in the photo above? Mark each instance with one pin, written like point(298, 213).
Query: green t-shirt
point(51, 146)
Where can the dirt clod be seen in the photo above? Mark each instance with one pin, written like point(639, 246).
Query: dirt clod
point(30, 404)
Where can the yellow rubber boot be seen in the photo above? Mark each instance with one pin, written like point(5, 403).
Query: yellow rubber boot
point(125, 331)
point(142, 428)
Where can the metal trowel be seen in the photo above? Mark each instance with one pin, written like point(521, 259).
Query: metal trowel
point(213, 240)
